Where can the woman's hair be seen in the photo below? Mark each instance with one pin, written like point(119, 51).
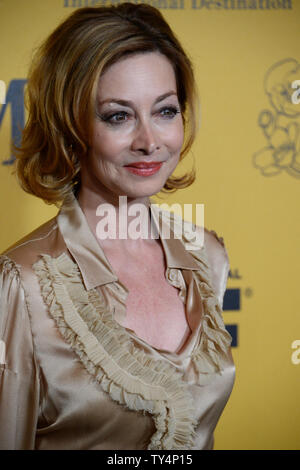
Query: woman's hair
point(62, 86)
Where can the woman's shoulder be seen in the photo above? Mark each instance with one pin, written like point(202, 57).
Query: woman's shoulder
point(210, 249)
point(17, 277)
point(24, 252)
point(206, 239)
point(218, 261)
point(215, 246)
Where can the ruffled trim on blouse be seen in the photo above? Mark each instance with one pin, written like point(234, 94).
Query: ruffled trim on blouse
point(127, 374)
point(210, 356)
point(7, 266)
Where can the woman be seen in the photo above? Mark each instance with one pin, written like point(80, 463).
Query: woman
point(113, 343)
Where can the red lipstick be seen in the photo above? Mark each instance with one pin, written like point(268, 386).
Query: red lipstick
point(144, 168)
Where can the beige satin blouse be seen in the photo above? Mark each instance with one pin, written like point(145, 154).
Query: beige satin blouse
point(71, 377)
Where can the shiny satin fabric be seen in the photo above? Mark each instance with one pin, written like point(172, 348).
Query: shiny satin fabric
point(74, 378)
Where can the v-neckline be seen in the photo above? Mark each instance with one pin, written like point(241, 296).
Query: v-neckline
point(191, 342)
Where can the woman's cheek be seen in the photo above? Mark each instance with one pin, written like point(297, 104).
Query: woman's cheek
point(175, 135)
point(104, 146)
point(176, 140)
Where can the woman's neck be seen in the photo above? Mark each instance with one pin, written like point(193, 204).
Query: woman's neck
point(117, 221)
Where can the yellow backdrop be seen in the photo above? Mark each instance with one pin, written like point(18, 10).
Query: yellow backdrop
point(246, 56)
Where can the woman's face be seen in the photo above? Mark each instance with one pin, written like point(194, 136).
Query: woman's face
point(137, 120)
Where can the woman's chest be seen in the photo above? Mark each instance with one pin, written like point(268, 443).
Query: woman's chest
point(154, 310)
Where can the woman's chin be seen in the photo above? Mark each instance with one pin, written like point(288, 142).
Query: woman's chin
point(140, 194)
point(151, 190)
point(142, 189)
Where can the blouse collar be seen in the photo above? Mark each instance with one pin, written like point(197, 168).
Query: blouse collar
point(89, 255)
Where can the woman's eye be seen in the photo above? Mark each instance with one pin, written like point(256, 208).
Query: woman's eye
point(115, 118)
point(120, 117)
point(169, 112)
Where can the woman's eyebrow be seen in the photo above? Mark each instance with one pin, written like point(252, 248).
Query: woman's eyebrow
point(131, 104)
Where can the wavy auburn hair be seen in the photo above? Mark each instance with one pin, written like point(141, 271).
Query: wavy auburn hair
point(62, 86)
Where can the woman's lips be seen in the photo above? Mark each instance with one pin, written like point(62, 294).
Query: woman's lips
point(144, 168)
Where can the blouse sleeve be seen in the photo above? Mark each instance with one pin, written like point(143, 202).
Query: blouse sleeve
point(19, 384)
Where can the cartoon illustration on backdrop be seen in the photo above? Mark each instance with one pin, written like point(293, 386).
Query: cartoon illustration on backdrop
point(280, 124)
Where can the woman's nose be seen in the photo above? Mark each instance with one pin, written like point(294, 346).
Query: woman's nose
point(145, 139)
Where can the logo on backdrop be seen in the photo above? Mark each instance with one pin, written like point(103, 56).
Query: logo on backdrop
point(13, 99)
point(208, 5)
point(281, 123)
